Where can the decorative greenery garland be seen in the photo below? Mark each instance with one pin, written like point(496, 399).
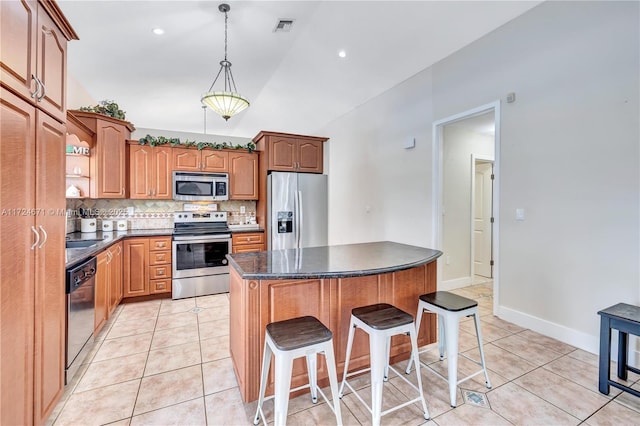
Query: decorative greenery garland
point(161, 140)
point(108, 108)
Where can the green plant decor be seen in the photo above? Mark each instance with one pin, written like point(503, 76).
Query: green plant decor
point(161, 140)
point(108, 108)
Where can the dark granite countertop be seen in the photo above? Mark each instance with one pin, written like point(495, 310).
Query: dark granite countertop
point(77, 255)
point(341, 261)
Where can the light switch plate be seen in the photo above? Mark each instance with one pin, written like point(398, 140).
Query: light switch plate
point(409, 143)
point(520, 214)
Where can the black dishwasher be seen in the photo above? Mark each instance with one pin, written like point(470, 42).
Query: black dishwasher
point(80, 314)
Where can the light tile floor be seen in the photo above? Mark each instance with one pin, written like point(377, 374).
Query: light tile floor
point(167, 362)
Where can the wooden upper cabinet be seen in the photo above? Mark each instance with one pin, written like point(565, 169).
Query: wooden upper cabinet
point(18, 39)
point(186, 160)
point(309, 156)
point(291, 153)
point(282, 154)
point(108, 161)
point(194, 160)
point(214, 161)
point(150, 172)
point(243, 176)
point(33, 41)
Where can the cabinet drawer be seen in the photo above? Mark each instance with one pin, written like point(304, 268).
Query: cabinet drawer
point(159, 243)
point(247, 238)
point(246, 248)
point(160, 286)
point(160, 257)
point(159, 271)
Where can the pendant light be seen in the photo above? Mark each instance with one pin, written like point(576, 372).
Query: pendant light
point(227, 102)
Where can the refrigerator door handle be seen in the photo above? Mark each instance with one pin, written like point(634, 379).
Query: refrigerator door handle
point(300, 219)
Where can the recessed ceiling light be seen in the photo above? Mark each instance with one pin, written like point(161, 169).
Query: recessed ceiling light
point(158, 31)
point(342, 54)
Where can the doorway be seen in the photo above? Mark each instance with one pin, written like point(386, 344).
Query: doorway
point(466, 194)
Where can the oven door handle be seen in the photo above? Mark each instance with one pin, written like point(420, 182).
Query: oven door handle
point(201, 238)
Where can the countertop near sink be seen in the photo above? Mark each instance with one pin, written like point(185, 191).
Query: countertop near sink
point(77, 255)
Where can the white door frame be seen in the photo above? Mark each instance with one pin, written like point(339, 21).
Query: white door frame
point(438, 192)
point(474, 158)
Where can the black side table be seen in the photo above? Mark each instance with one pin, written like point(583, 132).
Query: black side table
point(626, 319)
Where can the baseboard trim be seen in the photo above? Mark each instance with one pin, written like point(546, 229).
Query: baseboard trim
point(454, 283)
point(581, 340)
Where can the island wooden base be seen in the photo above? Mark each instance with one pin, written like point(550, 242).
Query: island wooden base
point(255, 303)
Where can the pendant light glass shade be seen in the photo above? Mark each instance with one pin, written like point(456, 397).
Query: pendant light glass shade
point(227, 102)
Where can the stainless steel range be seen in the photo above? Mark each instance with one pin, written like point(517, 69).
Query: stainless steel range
point(201, 241)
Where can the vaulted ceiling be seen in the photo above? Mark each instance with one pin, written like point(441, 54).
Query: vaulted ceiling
point(295, 80)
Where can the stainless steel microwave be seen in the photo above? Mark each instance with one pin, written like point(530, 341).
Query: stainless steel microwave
point(198, 186)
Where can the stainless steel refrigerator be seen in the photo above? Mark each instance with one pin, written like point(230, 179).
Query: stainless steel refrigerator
point(296, 210)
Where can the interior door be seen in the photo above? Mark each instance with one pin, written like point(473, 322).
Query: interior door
point(482, 219)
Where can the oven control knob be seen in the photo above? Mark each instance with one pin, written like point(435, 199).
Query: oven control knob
point(224, 261)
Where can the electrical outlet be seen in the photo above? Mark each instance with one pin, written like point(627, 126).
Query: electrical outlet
point(242, 210)
point(130, 211)
point(448, 261)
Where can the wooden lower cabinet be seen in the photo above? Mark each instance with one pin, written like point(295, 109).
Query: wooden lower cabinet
point(136, 267)
point(108, 290)
point(147, 266)
point(115, 277)
point(245, 242)
point(101, 291)
point(256, 303)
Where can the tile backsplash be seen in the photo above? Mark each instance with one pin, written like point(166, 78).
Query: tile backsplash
point(146, 214)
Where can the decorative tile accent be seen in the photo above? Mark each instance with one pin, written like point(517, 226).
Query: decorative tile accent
point(475, 398)
point(148, 214)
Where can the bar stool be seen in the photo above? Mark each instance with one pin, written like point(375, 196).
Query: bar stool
point(380, 322)
point(288, 340)
point(450, 308)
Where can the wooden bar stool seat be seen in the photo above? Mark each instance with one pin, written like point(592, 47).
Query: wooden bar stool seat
point(288, 340)
point(450, 308)
point(380, 322)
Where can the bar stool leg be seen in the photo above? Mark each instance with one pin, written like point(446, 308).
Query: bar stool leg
point(312, 372)
point(333, 380)
point(352, 330)
point(419, 315)
point(377, 351)
point(414, 355)
point(451, 336)
point(284, 366)
point(266, 362)
point(386, 364)
point(479, 335)
point(442, 339)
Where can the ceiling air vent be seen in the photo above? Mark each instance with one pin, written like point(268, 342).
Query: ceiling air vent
point(283, 25)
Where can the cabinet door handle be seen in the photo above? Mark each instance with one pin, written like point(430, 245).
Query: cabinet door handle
point(34, 95)
point(119, 249)
point(45, 237)
point(35, 231)
point(44, 90)
point(161, 272)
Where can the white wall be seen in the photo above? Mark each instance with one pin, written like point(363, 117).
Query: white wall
point(458, 145)
point(569, 157)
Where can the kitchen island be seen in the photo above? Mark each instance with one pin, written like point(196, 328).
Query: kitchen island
point(325, 282)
